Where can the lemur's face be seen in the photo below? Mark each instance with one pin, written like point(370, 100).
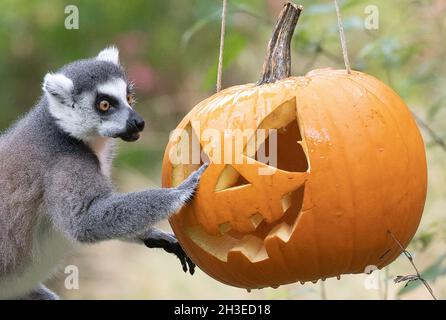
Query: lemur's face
point(113, 103)
point(93, 97)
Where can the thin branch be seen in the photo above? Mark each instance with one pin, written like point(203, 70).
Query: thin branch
point(435, 137)
point(263, 19)
point(410, 278)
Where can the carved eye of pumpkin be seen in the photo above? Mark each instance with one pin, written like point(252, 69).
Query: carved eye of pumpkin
point(104, 105)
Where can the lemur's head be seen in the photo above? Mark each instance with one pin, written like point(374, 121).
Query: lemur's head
point(93, 97)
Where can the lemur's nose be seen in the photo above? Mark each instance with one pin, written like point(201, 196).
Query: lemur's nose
point(135, 122)
point(140, 124)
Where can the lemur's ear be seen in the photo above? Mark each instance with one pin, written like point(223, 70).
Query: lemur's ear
point(57, 86)
point(110, 54)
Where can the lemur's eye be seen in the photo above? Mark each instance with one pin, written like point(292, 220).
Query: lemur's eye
point(104, 106)
point(130, 99)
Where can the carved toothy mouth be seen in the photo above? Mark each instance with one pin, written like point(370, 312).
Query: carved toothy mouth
point(234, 237)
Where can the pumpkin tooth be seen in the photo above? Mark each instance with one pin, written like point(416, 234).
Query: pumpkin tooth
point(286, 202)
point(225, 227)
point(251, 248)
point(229, 178)
point(282, 231)
point(256, 219)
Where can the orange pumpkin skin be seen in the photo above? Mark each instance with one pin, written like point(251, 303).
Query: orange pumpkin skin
point(366, 175)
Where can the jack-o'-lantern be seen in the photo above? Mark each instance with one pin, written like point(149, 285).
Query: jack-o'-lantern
point(349, 168)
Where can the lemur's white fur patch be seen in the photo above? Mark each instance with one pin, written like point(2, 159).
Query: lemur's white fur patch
point(116, 88)
point(103, 148)
point(110, 54)
point(57, 84)
point(59, 91)
point(76, 119)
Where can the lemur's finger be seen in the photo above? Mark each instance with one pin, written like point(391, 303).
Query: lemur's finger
point(194, 178)
point(178, 251)
point(191, 266)
point(203, 167)
point(183, 263)
point(186, 262)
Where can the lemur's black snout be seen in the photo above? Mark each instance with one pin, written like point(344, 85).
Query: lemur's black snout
point(140, 124)
point(135, 124)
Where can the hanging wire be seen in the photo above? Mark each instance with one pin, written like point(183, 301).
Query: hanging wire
point(342, 37)
point(222, 45)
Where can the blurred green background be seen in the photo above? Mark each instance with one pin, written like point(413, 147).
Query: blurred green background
point(170, 50)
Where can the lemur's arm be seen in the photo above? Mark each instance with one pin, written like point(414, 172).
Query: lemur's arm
point(83, 205)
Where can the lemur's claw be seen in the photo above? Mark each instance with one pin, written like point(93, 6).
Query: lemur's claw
point(191, 266)
point(186, 262)
point(170, 244)
point(184, 265)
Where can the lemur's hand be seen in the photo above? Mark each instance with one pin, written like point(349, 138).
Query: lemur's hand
point(170, 244)
point(189, 186)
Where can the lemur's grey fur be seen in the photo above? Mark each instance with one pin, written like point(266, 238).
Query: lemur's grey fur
point(55, 186)
point(40, 293)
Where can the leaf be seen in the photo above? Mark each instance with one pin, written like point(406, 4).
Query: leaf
point(198, 26)
point(430, 274)
point(408, 278)
point(234, 44)
point(241, 7)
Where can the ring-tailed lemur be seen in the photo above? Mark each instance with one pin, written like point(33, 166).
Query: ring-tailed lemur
point(55, 186)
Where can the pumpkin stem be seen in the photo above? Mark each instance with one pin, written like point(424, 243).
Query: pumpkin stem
point(277, 63)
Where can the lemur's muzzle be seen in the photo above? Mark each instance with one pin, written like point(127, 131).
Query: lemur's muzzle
point(135, 124)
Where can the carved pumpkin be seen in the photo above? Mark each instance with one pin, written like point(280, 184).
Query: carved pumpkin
point(350, 167)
